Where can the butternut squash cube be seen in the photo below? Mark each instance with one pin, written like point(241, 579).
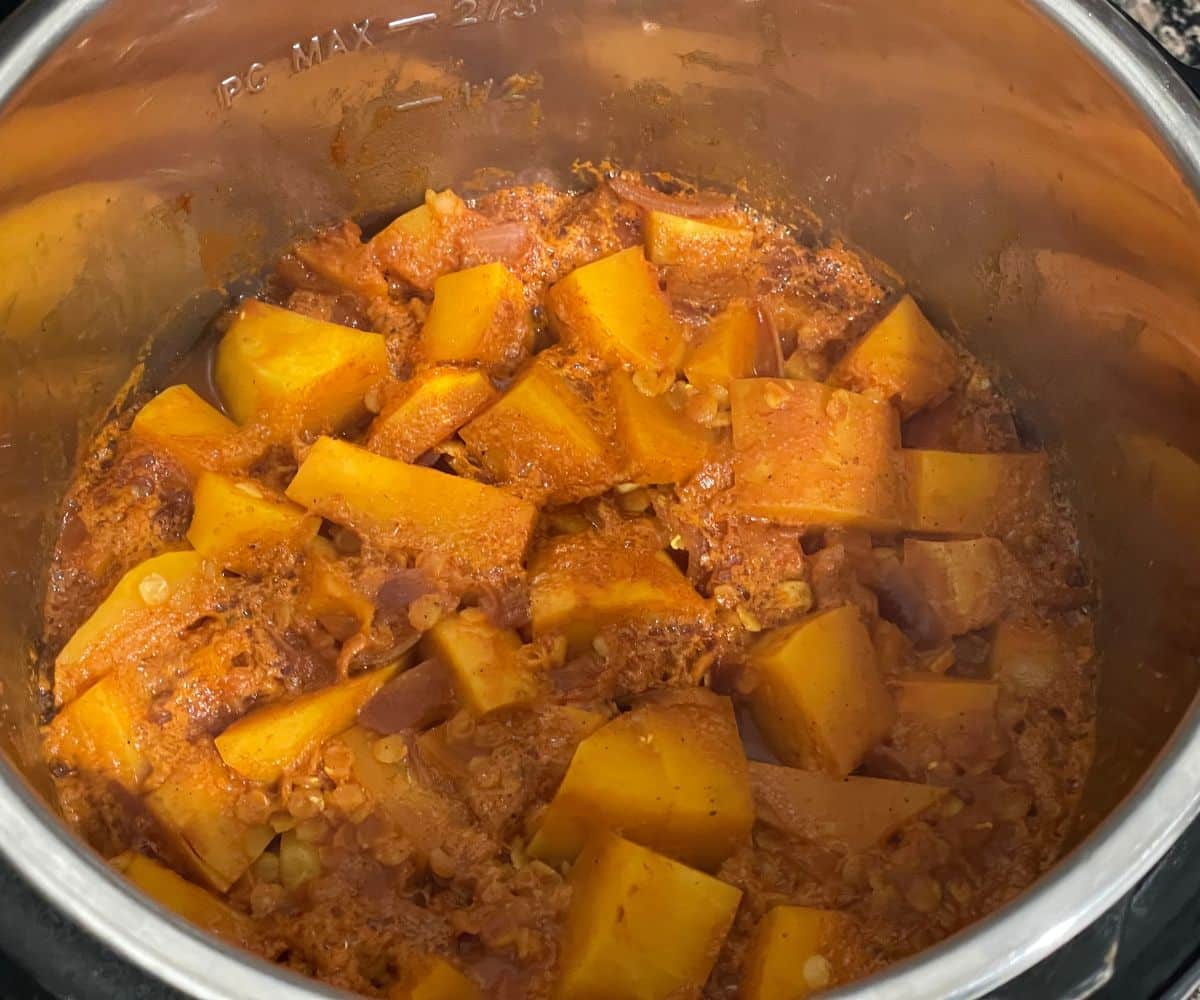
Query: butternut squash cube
point(154, 596)
point(703, 247)
point(661, 445)
point(727, 349)
point(640, 926)
point(938, 700)
point(239, 525)
point(295, 374)
point(820, 702)
point(963, 580)
point(96, 733)
point(902, 359)
point(808, 454)
point(188, 900)
point(429, 409)
point(614, 309)
point(953, 493)
point(433, 978)
point(261, 746)
point(329, 590)
point(425, 241)
point(197, 806)
point(477, 315)
point(181, 424)
point(485, 660)
point(797, 951)
point(1027, 658)
point(581, 583)
point(413, 508)
point(855, 812)
point(669, 776)
point(542, 436)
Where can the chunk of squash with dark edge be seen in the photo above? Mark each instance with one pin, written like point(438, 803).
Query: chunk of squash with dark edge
point(640, 926)
point(428, 410)
point(263, 745)
point(415, 509)
point(797, 951)
point(96, 733)
point(955, 493)
point(967, 582)
point(294, 374)
point(177, 422)
point(703, 247)
point(902, 360)
point(431, 977)
point(727, 349)
point(489, 672)
point(425, 241)
point(583, 582)
point(669, 776)
point(197, 807)
point(478, 315)
point(857, 813)
point(238, 525)
point(613, 308)
point(808, 454)
point(154, 596)
point(818, 699)
point(542, 437)
point(188, 900)
point(660, 444)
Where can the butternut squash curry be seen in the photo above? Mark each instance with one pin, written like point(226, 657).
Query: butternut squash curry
point(607, 594)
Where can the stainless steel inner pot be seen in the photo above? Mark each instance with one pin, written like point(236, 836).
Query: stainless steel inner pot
point(1030, 166)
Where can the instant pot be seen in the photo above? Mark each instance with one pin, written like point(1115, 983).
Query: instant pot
point(1032, 166)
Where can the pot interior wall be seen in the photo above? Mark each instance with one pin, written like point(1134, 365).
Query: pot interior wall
point(970, 146)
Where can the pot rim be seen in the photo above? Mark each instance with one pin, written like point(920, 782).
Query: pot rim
point(983, 956)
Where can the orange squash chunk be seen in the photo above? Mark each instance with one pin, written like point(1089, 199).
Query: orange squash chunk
point(808, 454)
point(726, 350)
point(953, 493)
point(97, 733)
point(640, 926)
point(477, 315)
point(963, 580)
point(295, 374)
point(902, 359)
point(542, 436)
point(819, 699)
point(937, 700)
point(1027, 658)
point(430, 407)
point(181, 424)
point(417, 509)
point(425, 242)
point(329, 590)
point(670, 776)
point(433, 978)
point(661, 445)
point(798, 951)
point(485, 660)
point(703, 247)
point(613, 308)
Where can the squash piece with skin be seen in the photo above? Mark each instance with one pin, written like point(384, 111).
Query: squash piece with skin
point(197, 807)
point(808, 454)
point(96, 733)
point(955, 493)
point(640, 926)
point(293, 374)
point(153, 598)
point(430, 407)
point(543, 438)
point(181, 424)
point(188, 900)
point(614, 309)
point(581, 583)
point(238, 525)
point(478, 315)
point(798, 951)
point(702, 247)
point(858, 813)
point(901, 359)
point(489, 672)
point(964, 581)
point(418, 510)
point(670, 776)
point(261, 746)
point(661, 445)
point(819, 700)
point(431, 977)
point(727, 349)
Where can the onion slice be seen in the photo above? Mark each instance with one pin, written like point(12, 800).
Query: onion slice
point(699, 206)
